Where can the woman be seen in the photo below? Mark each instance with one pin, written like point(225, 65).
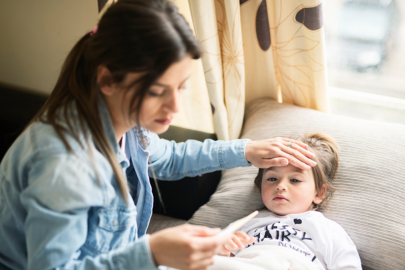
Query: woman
point(74, 188)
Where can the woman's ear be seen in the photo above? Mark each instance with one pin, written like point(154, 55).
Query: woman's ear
point(104, 80)
point(319, 197)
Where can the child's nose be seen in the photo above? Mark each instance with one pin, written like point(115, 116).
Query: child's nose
point(280, 186)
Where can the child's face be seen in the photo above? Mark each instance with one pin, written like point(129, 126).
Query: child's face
point(289, 190)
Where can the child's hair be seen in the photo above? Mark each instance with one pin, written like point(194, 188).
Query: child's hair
point(140, 36)
point(326, 152)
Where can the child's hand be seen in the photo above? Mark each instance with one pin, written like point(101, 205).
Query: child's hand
point(238, 241)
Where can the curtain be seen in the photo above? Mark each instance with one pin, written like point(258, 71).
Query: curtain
point(252, 49)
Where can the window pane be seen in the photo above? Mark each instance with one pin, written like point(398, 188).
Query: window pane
point(365, 42)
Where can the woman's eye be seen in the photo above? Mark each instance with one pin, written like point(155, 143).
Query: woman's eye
point(272, 179)
point(295, 180)
point(155, 93)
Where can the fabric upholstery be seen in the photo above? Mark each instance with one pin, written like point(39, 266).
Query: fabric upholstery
point(370, 187)
point(159, 222)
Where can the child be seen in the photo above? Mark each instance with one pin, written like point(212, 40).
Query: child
point(292, 197)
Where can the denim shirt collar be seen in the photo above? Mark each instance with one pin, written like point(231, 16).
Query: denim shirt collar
point(143, 136)
point(109, 131)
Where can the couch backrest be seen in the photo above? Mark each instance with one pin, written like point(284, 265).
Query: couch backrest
point(369, 201)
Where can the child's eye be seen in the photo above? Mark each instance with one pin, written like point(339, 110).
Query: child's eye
point(272, 179)
point(295, 180)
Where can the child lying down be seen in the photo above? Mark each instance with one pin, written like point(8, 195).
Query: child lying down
point(290, 233)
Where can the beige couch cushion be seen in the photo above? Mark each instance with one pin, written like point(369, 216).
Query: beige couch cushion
point(159, 222)
point(369, 201)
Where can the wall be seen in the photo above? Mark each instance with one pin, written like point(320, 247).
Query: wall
point(37, 35)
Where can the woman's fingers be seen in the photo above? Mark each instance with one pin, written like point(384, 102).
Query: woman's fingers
point(299, 146)
point(296, 157)
point(201, 265)
point(203, 255)
point(284, 160)
point(223, 251)
point(197, 230)
point(186, 246)
point(275, 162)
point(279, 152)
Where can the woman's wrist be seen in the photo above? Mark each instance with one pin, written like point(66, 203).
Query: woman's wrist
point(247, 151)
point(152, 247)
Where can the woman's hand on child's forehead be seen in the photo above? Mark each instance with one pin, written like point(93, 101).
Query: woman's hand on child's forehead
point(279, 152)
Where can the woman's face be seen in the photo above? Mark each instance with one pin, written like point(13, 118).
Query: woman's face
point(162, 101)
point(160, 104)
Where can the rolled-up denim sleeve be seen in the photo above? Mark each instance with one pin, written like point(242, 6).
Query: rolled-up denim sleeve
point(57, 200)
point(135, 256)
point(172, 161)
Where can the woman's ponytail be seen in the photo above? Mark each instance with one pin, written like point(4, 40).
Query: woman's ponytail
point(133, 36)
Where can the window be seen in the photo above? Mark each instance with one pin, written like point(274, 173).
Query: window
point(365, 47)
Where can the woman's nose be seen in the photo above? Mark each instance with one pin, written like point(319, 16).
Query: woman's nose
point(174, 101)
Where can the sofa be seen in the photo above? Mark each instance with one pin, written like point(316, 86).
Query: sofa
point(369, 201)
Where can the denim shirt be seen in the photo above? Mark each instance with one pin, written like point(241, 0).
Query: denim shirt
point(64, 210)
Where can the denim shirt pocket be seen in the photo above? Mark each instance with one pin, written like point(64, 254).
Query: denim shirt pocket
point(115, 228)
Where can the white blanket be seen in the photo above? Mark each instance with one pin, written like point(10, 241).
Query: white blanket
point(263, 257)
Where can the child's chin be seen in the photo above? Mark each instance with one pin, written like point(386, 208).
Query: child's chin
point(278, 212)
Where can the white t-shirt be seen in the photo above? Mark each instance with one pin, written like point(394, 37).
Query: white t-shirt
point(319, 239)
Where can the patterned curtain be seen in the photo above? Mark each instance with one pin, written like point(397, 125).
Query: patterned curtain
point(252, 49)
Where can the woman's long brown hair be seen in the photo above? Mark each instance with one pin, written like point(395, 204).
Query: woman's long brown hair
point(144, 36)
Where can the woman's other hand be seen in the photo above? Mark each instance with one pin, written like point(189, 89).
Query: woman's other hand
point(278, 152)
point(186, 247)
point(238, 241)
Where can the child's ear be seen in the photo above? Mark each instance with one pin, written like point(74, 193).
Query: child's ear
point(104, 80)
point(319, 197)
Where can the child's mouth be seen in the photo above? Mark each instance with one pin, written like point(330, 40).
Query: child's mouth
point(280, 199)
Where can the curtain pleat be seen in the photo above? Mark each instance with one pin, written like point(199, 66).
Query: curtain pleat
point(299, 52)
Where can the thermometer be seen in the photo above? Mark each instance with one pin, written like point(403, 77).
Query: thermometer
point(237, 224)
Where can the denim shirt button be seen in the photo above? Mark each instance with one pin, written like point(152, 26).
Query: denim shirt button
point(115, 222)
point(147, 198)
